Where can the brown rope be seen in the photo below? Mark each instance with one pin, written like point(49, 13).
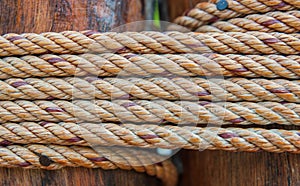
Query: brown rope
point(286, 22)
point(270, 66)
point(156, 111)
point(205, 13)
point(177, 88)
point(149, 42)
point(152, 136)
point(53, 157)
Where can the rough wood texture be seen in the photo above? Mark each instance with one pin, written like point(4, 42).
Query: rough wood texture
point(59, 15)
point(178, 7)
point(74, 176)
point(214, 168)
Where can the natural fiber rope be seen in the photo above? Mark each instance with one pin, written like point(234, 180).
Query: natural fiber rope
point(205, 13)
point(286, 22)
point(149, 42)
point(155, 111)
point(177, 88)
point(55, 157)
point(107, 64)
point(152, 136)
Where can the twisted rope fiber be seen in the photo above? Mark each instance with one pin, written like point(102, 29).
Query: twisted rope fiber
point(155, 111)
point(286, 22)
point(173, 88)
point(149, 42)
point(108, 64)
point(152, 136)
point(207, 12)
point(53, 157)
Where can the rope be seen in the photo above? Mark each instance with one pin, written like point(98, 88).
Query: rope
point(156, 111)
point(152, 136)
point(177, 88)
point(269, 66)
point(206, 13)
point(53, 157)
point(149, 42)
point(286, 22)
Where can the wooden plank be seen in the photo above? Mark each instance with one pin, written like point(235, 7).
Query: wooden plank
point(213, 168)
point(74, 176)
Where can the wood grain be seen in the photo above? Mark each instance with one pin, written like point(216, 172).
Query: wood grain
point(74, 176)
point(178, 7)
point(219, 168)
point(59, 15)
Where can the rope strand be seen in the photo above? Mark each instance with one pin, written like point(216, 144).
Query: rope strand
point(149, 42)
point(286, 22)
point(270, 66)
point(177, 88)
point(152, 136)
point(53, 157)
point(206, 13)
point(155, 111)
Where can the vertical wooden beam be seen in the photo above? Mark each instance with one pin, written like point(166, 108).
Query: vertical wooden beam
point(58, 15)
point(178, 7)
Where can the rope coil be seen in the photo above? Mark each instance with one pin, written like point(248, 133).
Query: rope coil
point(155, 111)
point(270, 50)
point(108, 64)
point(286, 22)
point(207, 12)
point(172, 88)
point(53, 157)
point(152, 136)
point(149, 42)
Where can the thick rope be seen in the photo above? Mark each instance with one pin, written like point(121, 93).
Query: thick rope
point(108, 64)
point(149, 42)
point(205, 13)
point(53, 157)
point(152, 136)
point(286, 22)
point(156, 111)
point(177, 88)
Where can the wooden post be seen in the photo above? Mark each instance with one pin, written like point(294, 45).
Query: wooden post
point(178, 7)
point(58, 15)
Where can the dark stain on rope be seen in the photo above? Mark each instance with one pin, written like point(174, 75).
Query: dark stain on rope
point(45, 160)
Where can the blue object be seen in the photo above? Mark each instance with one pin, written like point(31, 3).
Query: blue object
point(222, 5)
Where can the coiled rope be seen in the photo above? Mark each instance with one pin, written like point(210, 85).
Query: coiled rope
point(177, 88)
point(108, 64)
point(152, 136)
point(149, 42)
point(260, 53)
point(154, 111)
point(53, 157)
point(286, 22)
point(207, 12)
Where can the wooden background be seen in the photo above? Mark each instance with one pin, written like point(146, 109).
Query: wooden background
point(208, 168)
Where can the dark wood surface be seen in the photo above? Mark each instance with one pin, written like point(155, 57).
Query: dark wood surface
point(178, 7)
point(74, 176)
point(218, 168)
